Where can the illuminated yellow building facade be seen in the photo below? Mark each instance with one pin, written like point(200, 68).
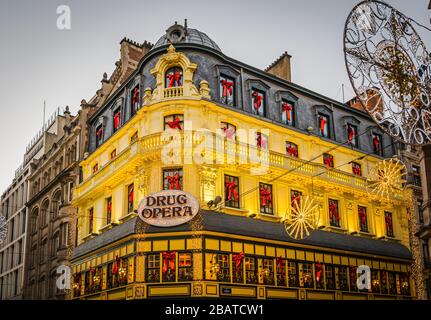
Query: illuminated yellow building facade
point(308, 146)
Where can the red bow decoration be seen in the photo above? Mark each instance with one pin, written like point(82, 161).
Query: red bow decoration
point(174, 182)
point(319, 270)
point(135, 96)
point(357, 170)
point(117, 120)
point(93, 270)
point(227, 87)
point(333, 212)
point(265, 196)
point(261, 143)
point(115, 265)
point(131, 195)
point(295, 198)
point(376, 143)
point(238, 258)
point(279, 262)
point(351, 133)
point(174, 79)
point(229, 132)
point(168, 261)
point(362, 215)
point(231, 190)
point(99, 133)
point(388, 221)
point(286, 107)
point(322, 123)
point(292, 151)
point(257, 100)
point(109, 207)
point(329, 161)
point(175, 124)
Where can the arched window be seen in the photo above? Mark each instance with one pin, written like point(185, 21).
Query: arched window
point(34, 218)
point(45, 213)
point(174, 77)
point(56, 200)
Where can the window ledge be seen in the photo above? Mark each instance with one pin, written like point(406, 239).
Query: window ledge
point(108, 226)
point(364, 234)
point(387, 238)
point(128, 216)
point(235, 211)
point(335, 229)
point(266, 217)
point(89, 236)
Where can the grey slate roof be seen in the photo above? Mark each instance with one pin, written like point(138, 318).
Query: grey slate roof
point(193, 36)
point(235, 225)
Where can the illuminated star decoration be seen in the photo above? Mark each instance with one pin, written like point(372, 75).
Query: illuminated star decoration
point(387, 178)
point(303, 219)
point(3, 229)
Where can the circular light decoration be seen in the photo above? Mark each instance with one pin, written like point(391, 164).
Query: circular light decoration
point(387, 178)
point(3, 229)
point(389, 69)
point(303, 218)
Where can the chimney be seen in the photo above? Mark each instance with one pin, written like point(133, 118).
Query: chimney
point(281, 67)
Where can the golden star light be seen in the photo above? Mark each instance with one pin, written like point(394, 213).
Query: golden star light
point(303, 218)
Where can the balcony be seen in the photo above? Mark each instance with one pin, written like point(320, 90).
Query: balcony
point(173, 92)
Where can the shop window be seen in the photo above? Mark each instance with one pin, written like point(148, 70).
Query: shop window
point(268, 271)
point(293, 274)
point(363, 219)
point(384, 282)
point(319, 275)
point(237, 268)
point(227, 90)
point(353, 278)
point(229, 131)
point(389, 224)
point(168, 266)
point(173, 179)
point(185, 266)
point(329, 277)
point(377, 144)
point(405, 284)
point(352, 132)
point(280, 268)
point(250, 270)
point(99, 135)
point(328, 160)
point(223, 274)
point(261, 141)
point(295, 199)
point(90, 220)
point(113, 154)
point(174, 122)
point(117, 273)
point(392, 283)
point(117, 119)
point(343, 283)
point(130, 198)
point(334, 213)
point(265, 195)
point(375, 281)
point(306, 275)
point(356, 169)
point(258, 103)
point(76, 285)
point(174, 77)
point(88, 281)
point(134, 100)
point(153, 268)
point(416, 171)
point(323, 121)
point(287, 112)
point(108, 207)
point(231, 193)
point(291, 149)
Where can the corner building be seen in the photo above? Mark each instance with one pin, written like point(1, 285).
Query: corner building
point(240, 248)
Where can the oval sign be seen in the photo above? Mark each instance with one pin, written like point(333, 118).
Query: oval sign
point(168, 208)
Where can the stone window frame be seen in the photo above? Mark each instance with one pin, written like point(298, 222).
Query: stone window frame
point(228, 71)
point(289, 97)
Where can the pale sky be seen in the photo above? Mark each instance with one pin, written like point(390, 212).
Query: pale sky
point(39, 62)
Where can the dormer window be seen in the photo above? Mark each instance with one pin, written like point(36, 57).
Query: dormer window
point(258, 102)
point(377, 144)
point(174, 77)
point(227, 90)
point(323, 121)
point(287, 112)
point(352, 132)
point(174, 122)
point(117, 119)
point(134, 100)
point(99, 135)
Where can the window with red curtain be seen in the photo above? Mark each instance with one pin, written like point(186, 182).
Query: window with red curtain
point(377, 144)
point(134, 99)
point(291, 149)
point(328, 160)
point(334, 213)
point(108, 210)
point(231, 191)
point(261, 141)
point(295, 197)
point(174, 121)
point(356, 169)
point(287, 112)
point(227, 90)
point(323, 122)
point(173, 179)
point(265, 196)
point(117, 119)
point(91, 220)
point(99, 135)
point(389, 224)
point(258, 102)
point(229, 130)
point(130, 197)
point(363, 219)
point(174, 77)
